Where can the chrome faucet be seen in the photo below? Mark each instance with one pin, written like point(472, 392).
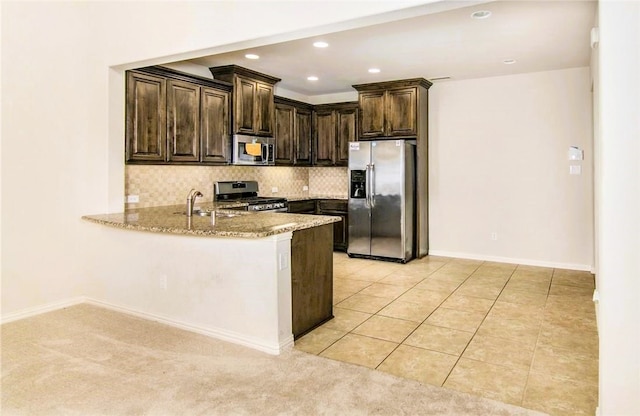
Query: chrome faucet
point(191, 200)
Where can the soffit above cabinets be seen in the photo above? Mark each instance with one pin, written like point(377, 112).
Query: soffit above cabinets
point(538, 35)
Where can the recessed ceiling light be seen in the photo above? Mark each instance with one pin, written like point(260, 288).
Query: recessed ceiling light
point(312, 78)
point(509, 61)
point(320, 44)
point(480, 14)
point(251, 56)
point(374, 70)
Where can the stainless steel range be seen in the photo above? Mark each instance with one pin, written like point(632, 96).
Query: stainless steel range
point(247, 191)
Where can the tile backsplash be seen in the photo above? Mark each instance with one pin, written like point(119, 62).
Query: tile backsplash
point(158, 185)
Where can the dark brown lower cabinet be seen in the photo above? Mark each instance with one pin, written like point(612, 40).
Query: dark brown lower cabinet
point(333, 207)
point(311, 278)
point(337, 208)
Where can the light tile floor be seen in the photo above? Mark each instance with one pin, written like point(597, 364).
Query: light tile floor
point(519, 334)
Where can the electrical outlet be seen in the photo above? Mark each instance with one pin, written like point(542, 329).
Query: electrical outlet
point(494, 236)
point(305, 188)
point(163, 282)
point(133, 199)
point(283, 261)
point(274, 190)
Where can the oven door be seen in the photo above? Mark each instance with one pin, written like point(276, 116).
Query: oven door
point(251, 150)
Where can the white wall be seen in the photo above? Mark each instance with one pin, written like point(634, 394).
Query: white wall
point(498, 163)
point(618, 206)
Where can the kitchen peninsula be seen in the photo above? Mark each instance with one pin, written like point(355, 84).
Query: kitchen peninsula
point(255, 279)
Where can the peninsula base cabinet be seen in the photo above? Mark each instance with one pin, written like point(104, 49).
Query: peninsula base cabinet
point(333, 207)
point(311, 278)
point(337, 208)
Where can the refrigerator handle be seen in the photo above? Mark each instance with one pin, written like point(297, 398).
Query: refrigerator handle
point(367, 187)
point(372, 187)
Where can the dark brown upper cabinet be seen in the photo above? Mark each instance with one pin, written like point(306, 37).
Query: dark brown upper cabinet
point(334, 126)
point(254, 110)
point(183, 124)
point(303, 137)
point(146, 126)
point(293, 132)
point(392, 109)
point(214, 126)
point(173, 117)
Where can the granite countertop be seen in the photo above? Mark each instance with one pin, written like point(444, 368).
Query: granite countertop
point(225, 223)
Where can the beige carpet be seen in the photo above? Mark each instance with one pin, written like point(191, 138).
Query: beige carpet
point(86, 360)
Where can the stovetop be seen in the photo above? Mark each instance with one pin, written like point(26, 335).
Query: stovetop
point(242, 191)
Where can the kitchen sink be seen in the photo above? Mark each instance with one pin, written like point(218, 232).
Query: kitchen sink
point(209, 213)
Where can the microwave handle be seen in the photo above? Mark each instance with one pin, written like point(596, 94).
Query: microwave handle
point(265, 154)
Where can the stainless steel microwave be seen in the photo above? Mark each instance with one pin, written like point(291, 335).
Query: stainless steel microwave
point(253, 150)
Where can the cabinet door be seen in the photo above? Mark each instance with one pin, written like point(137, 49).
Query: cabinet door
point(337, 208)
point(302, 137)
point(214, 122)
point(302, 207)
point(284, 134)
point(372, 114)
point(401, 112)
point(145, 118)
point(324, 138)
point(244, 117)
point(183, 121)
point(311, 278)
point(346, 122)
point(263, 122)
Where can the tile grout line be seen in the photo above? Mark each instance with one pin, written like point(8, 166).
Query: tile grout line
point(535, 348)
point(351, 331)
point(478, 328)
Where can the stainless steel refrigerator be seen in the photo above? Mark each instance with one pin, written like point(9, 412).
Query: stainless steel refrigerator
point(382, 208)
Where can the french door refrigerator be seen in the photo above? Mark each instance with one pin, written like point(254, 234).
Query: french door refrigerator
point(382, 179)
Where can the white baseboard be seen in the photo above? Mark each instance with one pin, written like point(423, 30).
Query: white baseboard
point(29, 312)
point(221, 334)
point(527, 262)
point(217, 333)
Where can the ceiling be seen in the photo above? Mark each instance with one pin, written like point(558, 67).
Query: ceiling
point(539, 35)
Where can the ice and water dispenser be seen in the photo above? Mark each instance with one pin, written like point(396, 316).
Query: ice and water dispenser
point(358, 184)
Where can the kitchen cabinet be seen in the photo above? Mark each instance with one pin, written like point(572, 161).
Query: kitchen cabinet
point(183, 124)
point(253, 99)
point(334, 125)
point(311, 278)
point(214, 126)
point(392, 109)
point(176, 118)
point(336, 207)
point(292, 132)
point(333, 207)
point(307, 206)
point(145, 117)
